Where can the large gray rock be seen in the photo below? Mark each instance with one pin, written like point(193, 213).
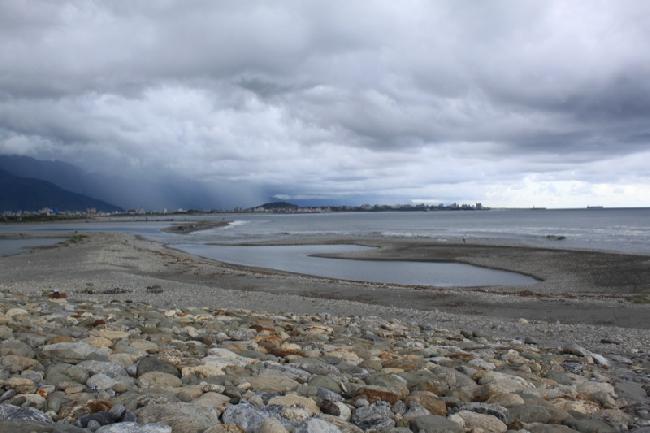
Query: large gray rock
point(100, 382)
point(16, 347)
point(110, 369)
point(245, 416)
point(181, 417)
point(377, 416)
point(63, 372)
point(131, 427)
point(434, 424)
point(74, 352)
point(152, 363)
point(10, 412)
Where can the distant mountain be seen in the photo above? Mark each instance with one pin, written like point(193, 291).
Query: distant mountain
point(28, 194)
point(148, 189)
point(279, 205)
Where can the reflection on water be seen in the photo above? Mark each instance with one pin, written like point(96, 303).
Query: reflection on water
point(293, 258)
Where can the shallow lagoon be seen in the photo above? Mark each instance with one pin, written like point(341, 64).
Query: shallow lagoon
point(301, 259)
point(9, 247)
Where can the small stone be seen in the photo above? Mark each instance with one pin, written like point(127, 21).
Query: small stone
point(487, 423)
point(110, 369)
point(244, 415)
point(152, 363)
point(21, 385)
point(429, 401)
point(378, 393)
point(158, 379)
point(574, 349)
point(100, 382)
point(211, 399)
point(270, 425)
point(272, 383)
point(294, 400)
point(316, 425)
point(375, 416)
point(434, 424)
point(215, 363)
point(600, 360)
point(131, 427)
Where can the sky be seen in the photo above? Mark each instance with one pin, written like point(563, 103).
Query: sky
point(510, 103)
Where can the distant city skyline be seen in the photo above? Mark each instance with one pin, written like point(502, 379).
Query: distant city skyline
point(510, 103)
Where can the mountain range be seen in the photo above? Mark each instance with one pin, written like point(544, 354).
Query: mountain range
point(148, 189)
point(29, 194)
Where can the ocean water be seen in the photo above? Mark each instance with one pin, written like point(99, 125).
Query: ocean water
point(618, 230)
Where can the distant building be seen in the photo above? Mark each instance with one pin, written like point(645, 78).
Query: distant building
point(479, 206)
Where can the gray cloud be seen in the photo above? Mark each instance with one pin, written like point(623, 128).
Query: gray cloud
point(502, 101)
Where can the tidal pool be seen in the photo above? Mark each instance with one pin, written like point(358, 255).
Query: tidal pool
point(11, 246)
point(300, 259)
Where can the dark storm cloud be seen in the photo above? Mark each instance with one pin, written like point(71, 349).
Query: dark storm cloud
point(496, 101)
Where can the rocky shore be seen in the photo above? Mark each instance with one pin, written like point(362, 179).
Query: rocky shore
point(115, 366)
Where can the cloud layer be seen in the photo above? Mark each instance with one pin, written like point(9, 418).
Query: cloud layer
point(506, 102)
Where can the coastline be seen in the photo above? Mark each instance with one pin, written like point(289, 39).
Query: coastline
point(104, 261)
point(138, 299)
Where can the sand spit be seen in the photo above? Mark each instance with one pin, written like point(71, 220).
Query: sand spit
point(194, 226)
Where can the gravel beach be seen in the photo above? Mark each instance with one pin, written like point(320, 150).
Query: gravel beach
point(566, 318)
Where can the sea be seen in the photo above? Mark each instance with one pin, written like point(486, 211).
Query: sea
point(625, 230)
point(610, 230)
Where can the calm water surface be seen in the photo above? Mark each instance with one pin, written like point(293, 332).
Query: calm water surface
point(619, 230)
point(9, 247)
point(298, 258)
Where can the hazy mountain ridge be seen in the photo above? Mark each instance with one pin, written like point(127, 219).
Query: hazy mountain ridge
point(29, 194)
point(148, 189)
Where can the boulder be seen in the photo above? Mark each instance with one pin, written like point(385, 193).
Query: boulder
point(181, 417)
point(434, 424)
point(9, 412)
point(244, 415)
point(158, 379)
point(74, 353)
point(153, 363)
